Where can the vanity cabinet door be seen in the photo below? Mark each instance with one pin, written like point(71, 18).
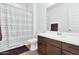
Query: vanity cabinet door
point(53, 42)
point(48, 46)
point(70, 48)
point(41, 48)
point(66, 53)
point(41, 45)
point(52, 50)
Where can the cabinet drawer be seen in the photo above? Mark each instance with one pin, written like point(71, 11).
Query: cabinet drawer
point(52, 50)
point(54, 42)
point(71, 48)
point(66, 53)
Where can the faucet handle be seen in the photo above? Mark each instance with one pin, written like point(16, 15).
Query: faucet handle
point(59, 33)
point(69, 30)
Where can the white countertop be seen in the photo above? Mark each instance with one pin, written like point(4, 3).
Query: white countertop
point(72, 38)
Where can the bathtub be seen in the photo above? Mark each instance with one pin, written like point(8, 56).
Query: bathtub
point(68, 37)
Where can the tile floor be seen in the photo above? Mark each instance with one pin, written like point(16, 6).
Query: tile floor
point(30, 53)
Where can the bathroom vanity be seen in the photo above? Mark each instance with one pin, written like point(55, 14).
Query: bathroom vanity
point(48, 46)
point(53, 44)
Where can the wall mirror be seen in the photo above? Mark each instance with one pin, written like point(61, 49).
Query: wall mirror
point(66, 15)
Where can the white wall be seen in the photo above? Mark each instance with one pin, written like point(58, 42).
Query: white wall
point(74, 17)
point(34, 20)
point(66, 15)
point(58, 14)
point(39, 18)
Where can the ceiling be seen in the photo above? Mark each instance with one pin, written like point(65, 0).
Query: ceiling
point(31, 4)
point(50, 4)
point(26, 4)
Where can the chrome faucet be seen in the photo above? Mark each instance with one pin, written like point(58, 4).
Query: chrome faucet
point(59, 33)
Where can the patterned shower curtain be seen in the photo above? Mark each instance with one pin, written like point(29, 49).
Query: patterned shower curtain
point(18, 24)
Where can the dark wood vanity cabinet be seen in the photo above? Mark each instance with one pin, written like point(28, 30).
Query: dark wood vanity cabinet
point(52, 50)
point(69, 49)
point(47, 46)
point(53, 47)
point(41, 45)
point(41, 48)
point(66, 53)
